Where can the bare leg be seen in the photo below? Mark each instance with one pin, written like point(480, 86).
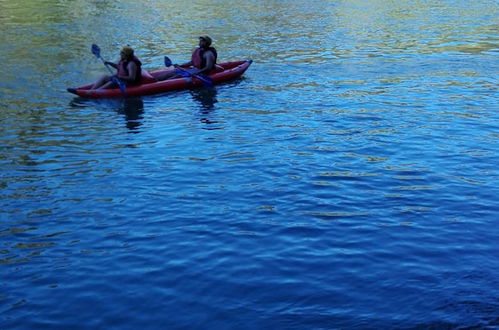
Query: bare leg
point(102, 80)
point(109, 84)
point(167, 75)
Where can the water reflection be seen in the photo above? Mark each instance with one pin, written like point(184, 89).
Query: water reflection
point(133, 109)
point(207, 98)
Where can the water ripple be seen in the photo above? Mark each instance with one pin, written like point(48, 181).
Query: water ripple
point(348, 180)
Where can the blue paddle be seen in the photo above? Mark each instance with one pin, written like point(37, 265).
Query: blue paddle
point(116, 80)
point(207, 81)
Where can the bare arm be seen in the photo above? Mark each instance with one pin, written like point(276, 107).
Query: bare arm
point(184, 65)
point(114, 65)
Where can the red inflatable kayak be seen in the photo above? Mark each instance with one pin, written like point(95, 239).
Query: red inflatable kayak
point(225, 71)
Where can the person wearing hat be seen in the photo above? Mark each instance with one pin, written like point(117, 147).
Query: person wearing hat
point(203, 60)
point(129, 70)
point(204, 57)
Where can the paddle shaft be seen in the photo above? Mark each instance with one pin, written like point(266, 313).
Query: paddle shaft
point(107, 66)
point(197, 75)
point(206, 80)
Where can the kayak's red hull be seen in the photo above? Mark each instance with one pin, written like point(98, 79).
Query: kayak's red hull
point(226, 71)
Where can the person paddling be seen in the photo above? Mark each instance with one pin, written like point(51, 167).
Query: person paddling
point(204, 57)
point(129, 70)
point(203, 60)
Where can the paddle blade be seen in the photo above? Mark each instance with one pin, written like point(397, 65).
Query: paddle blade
point(96, 50)
point(168, 62)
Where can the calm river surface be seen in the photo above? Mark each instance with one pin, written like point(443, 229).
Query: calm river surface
point(348, 181)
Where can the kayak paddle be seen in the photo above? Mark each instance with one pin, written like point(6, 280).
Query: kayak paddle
point(116, 80)
point(207, 81)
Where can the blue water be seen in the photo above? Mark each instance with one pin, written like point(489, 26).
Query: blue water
point(348, 181)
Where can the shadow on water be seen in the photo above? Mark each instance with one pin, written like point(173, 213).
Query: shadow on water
point(131, 108)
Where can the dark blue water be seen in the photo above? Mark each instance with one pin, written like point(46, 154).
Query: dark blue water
point(348, 181)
